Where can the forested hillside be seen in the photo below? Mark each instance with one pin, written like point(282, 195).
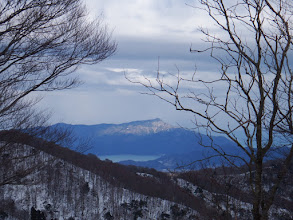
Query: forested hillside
point(55, 182)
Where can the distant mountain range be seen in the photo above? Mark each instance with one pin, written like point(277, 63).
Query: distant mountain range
point(152, 137)
point(175, 146)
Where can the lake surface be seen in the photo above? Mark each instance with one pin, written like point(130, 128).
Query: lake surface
point(121, 157)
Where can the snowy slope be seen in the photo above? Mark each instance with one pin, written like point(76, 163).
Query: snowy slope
point(59, 183)
point(64, 191)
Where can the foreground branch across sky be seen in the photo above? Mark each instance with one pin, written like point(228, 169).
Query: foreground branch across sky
point(252, 46)
point(41, 44)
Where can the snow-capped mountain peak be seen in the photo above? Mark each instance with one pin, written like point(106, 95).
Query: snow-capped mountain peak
point(139, 128)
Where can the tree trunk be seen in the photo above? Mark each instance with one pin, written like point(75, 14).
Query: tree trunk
point(257, 203)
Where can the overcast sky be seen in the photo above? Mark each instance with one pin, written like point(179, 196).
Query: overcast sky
point(144, 31)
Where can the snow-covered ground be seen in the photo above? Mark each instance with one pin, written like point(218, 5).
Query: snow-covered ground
point(62, 191)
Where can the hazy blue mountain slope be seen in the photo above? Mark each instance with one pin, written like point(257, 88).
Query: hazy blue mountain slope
point(177, 146)
point(191, 160)
point(141, 138)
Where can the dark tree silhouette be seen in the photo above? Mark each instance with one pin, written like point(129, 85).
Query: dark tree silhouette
point(253, 49)
point(41, 44)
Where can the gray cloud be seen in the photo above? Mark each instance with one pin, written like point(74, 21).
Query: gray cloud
point(144, 30)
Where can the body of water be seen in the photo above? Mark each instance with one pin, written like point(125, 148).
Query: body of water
point(122, 157)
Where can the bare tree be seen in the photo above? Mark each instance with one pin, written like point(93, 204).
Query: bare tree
point(41, 43)
point(253, 50)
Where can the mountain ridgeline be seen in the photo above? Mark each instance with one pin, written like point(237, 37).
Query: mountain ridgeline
point(173, 146)
point(141, 138)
